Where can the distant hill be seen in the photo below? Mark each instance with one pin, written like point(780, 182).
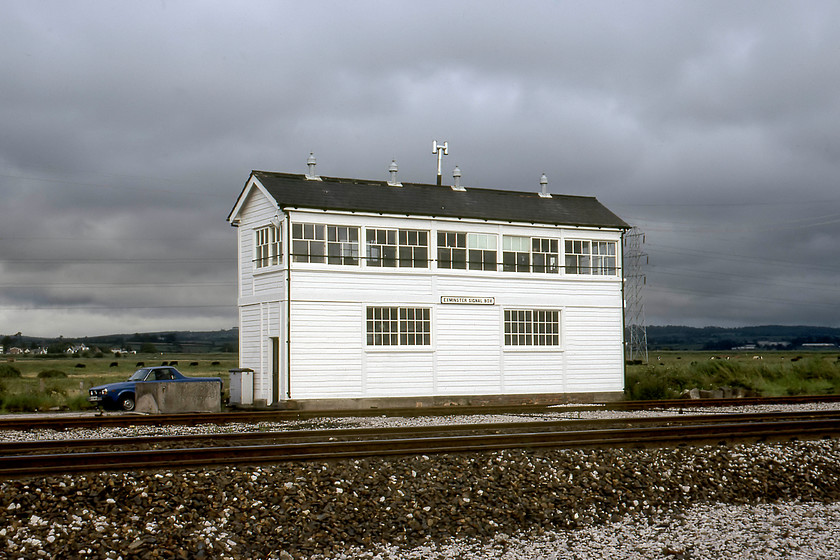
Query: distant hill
point(670, 337)
point(164, 341)
point(721, 338)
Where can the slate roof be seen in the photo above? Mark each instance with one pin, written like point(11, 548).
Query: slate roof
point(416, 199)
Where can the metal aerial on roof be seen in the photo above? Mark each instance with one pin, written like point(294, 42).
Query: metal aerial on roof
point(441, 150)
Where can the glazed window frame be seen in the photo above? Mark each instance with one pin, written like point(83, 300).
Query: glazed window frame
point(482, 250)
point(516, 253)
point(452, 250)
point(325, 244)
point(398, 327)
point(396, 248)
point(591, 257)
point(522, 253)
point(268, 247)
point(343, 245)
point(532, 328)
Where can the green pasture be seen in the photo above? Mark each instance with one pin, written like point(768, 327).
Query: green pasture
point(770, 374)
point(62, 383)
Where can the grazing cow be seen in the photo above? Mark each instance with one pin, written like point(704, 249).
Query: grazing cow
point(193, 363)
point(215, 364)
point(175, 363)
point(141, 364)
point(164, 363)
point(114, 364)
point(80, 365)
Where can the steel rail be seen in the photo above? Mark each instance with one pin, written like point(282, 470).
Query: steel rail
point(26, 465)
point(62, 421)
point(290, 436)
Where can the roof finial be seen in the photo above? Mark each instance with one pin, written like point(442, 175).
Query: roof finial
point(310, 162)
point(456, 175)
point(392, 169)
point(544, 184)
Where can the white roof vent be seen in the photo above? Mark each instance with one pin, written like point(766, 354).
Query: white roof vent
point(544, 187)
point(456, 175)
point(393, 171)
point(310, 162)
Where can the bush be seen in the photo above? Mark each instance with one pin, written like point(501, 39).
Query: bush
point(28, 402)
point(9, 371)
point(648, 385)
point(51, 373)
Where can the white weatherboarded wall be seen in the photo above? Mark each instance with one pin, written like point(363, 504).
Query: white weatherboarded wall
point(324, 355)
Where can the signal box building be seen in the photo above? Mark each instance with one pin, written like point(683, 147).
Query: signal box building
point(356, 293)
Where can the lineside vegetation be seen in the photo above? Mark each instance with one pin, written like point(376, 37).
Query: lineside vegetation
point(768, 374)
point(61, 383)
point(31, 384)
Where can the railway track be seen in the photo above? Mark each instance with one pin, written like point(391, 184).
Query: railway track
point(68, 421)
point(153, 452)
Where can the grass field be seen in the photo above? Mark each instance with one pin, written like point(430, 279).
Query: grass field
point(668, 374)
point(62, 382)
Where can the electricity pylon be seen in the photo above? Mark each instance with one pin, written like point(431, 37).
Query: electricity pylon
point(634, 281)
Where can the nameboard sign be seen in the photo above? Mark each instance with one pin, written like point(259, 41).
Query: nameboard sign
point(462, 300)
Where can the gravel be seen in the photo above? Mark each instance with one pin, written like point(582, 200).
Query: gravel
point(762, 500)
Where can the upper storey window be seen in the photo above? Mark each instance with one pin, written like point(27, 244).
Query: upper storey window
point(452, 250)
point(397, 247)
point(516, 254)
point(267, 247)
point(591, 257)
point(530, 254)
point(545, 255)
point(476, 251)
point(481, 251)
point(342, 245)
point(321, 243)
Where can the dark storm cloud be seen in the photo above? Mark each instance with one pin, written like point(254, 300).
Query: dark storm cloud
point(129, 129)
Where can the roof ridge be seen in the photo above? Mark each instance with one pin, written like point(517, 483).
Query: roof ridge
point(383, 182)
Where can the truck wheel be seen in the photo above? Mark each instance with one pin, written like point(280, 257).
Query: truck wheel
point(127, 403)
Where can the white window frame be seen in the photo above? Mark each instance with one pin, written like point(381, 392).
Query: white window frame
point(482, 251)
point(327, 237)
point(455, 245)
point(590, 257)
point(519, 248)
point(411, 249)
point(523, 253)
point(396, 248)
point(532, 329)
point(538, 245)
point(343, 245)
point(268, 247)
point(402, 328)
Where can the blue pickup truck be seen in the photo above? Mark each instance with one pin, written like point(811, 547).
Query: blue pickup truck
point(121, 395)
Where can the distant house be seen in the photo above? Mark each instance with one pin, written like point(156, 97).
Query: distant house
point(76, 348)
point(352, 291)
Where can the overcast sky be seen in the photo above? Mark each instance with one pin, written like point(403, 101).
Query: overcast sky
point(127, 129)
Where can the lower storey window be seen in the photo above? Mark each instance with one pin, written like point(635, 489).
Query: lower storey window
point(532, 327)
point(398, 326)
